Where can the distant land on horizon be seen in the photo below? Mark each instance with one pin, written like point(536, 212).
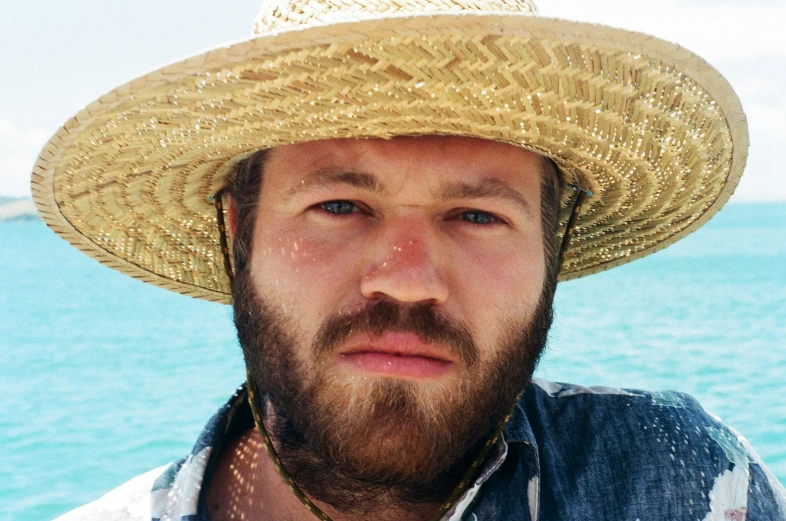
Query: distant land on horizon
point(17, 209)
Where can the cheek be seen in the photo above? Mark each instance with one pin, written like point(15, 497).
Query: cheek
point(507, 270)
point(301, 268)
point(494, 286)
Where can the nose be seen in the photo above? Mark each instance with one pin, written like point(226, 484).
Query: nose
point(404, 263)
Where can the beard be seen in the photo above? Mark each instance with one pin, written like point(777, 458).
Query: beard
point(361, 443)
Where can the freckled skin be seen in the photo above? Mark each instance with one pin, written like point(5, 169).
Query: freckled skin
point(407, 243)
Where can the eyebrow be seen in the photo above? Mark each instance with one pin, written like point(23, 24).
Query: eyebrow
point(482, 189)
point(327, 177)
point(486, 189)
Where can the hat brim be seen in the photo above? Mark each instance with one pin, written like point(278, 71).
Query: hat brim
point(655, 132)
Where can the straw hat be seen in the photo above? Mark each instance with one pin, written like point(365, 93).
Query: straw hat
point(656, 133)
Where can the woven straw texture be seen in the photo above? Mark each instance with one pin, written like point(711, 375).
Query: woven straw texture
point(654, 131)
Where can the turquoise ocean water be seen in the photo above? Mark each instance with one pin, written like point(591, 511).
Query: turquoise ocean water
point(104, 377)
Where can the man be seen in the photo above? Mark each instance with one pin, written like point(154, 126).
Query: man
point(401, 187)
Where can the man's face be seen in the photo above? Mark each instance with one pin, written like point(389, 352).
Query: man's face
point(392, 307)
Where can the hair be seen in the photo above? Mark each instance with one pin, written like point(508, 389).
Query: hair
point(244, 190)
point(247, 183)
point(551, 185)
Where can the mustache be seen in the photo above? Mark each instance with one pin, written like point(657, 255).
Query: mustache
point(423, 320)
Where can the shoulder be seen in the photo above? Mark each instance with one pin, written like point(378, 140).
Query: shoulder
point(580, 404)
point(645, 444)
point(627, 422)
point(661, 416)
point(128, 502)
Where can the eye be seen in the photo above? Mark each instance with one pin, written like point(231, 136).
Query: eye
point(338, 207)
point(479, 217)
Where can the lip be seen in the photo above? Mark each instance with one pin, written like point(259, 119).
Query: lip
point(399, 355)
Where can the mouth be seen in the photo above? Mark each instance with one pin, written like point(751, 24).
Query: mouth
point(401, 355)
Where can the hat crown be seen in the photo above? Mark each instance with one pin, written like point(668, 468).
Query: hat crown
point(277, 16)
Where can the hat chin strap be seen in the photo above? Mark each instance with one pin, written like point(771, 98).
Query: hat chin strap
point(253, 401)
point(581, 194)
point(218, 200)
point(472, 470)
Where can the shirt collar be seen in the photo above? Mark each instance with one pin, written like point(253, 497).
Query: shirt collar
point(518, 428)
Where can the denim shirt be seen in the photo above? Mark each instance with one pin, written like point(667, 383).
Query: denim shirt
point(568, 453)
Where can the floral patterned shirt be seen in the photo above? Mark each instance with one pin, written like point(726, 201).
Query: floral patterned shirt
point(568, 453)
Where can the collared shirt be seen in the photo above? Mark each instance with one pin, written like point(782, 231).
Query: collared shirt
point(568, 453)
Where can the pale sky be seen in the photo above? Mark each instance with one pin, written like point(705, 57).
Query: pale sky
point(59, 56)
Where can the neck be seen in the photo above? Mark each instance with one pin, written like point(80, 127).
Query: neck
point(246, 485)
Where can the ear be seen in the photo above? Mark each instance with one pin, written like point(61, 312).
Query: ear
point(231, 218)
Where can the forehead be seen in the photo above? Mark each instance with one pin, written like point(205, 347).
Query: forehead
point(407, 162)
